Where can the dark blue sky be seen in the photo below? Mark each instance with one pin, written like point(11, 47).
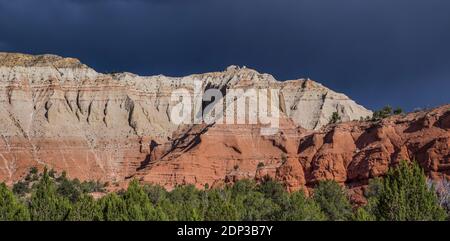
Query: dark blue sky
point(378, 52)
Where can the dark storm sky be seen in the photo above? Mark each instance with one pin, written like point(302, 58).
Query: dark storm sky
point(378, 52)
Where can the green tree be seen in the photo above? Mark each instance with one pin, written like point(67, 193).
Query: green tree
point(398, 111)
point(155, 193)
point(186, 203)
point(85, 209)
point(21, 188)
point(46, 204)
point(113, 208)
point(92, 186)
point(275, 192)
point(34, 170)
point(335, 118)
point(171, 211)
point(251, 204)
point(139, 206)
point(220, 207)
point(70, 189)
point(383, 113)
point(332, 200)
point(362, 214)
point(405, 196)
point(302, 208)
point(11, 209)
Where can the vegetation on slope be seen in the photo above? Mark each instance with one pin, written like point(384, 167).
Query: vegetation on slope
point(402, 195)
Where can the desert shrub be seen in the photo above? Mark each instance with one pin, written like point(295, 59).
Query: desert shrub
point(335, 118)
point(386, 112)
point(21, 188)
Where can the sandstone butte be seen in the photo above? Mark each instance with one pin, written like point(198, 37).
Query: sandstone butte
point(59, 113)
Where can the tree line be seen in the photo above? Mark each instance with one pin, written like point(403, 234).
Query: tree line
point(403, 194)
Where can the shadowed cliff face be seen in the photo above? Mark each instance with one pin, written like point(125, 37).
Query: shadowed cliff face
point(58, 112)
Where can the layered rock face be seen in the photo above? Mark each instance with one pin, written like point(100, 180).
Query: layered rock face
point(58, 112)
point(350, 153)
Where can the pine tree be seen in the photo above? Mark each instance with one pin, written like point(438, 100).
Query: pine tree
point(398, 111)
point(170, 210)
point(405, 196)
point(251, 204)
point(46, 204)
point(276, 193)
point(113, 208)
point(247, 201)
point(335, 118)
point(85, 209)
point(362, 214)
point(69, 189)
point(10, 208)
point(186, 203)
point(302, 208)
point(332, 200)
point(220, 207)
point(139, 206)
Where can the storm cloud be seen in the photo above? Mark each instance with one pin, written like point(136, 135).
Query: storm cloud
point(377, 52)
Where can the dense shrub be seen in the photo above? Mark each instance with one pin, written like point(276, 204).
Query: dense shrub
point(335, 118)
point(385, 112)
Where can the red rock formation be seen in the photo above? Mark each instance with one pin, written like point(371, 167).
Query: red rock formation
point(216, 154)
point(59, 113)
point(350, 153)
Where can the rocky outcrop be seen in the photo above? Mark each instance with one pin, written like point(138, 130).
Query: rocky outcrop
point(350, 153)
point(58, 112)
point(216, 154)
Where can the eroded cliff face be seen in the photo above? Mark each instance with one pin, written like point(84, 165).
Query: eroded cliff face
point(58, 112)
point(350, 153)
